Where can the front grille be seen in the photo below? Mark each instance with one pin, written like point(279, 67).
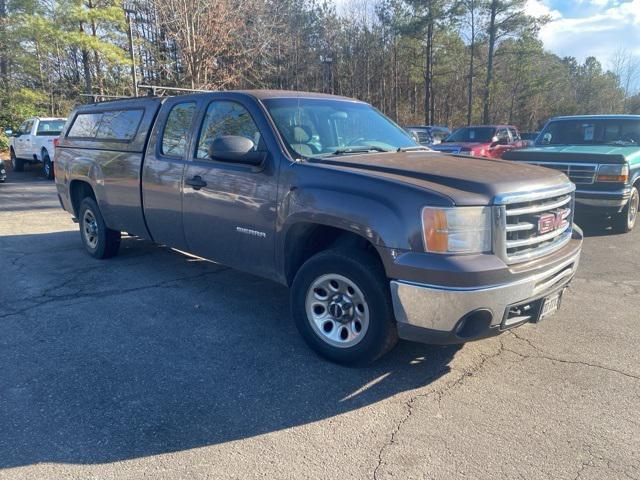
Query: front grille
point(449, 149)
point(535, 224)
point(578, 173)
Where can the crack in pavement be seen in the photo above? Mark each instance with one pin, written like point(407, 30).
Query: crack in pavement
point(575, 362)
point(465, 374)
point(545, 356)
point(632, 287)
point(440, 393)
point(107, 293)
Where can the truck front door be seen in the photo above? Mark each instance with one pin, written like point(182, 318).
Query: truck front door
point(229, 208)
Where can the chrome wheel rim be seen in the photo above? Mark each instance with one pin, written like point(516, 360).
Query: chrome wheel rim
point(337, 310)
point(90, 229)
point(47, 167)
point(633, 208)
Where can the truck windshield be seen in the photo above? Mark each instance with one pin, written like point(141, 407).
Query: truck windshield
point(471, 134)
point(612, 131)
point(321, 127)
point(50, 127)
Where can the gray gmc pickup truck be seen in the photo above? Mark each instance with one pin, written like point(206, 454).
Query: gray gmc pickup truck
point(377, 237)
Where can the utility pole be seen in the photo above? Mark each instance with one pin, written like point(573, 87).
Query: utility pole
point(129, 13)
point(328, 74)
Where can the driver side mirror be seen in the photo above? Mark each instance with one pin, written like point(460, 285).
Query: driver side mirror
point(546, 139)
point(235, 149)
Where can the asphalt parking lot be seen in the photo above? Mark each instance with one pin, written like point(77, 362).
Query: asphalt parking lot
point(159, 365)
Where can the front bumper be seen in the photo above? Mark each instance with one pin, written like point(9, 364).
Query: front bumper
point(444, 315)
point(603, 198)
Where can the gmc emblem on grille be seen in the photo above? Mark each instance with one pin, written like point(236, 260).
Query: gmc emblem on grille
point(549, 222)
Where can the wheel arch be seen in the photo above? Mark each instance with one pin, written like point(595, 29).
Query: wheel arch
point(79, 189)
point(305, 239)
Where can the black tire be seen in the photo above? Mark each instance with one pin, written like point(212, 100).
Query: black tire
point(364, 271)
point(47, 166)
point(102, 242)
point(624, 221)
point(17, 164)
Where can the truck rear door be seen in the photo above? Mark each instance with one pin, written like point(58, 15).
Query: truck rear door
point(229, 209)
point(164, 164)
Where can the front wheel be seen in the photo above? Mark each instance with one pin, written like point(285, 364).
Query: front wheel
point(342, 307)
point(17, 164)
point(624, 221)
point(47, 166)
point(99, 241)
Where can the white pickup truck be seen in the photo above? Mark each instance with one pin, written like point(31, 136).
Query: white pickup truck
point(35, 142)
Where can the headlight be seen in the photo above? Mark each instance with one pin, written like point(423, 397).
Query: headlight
point(457, 229)
point(613, 173)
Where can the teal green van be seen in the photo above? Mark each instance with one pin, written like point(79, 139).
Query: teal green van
point(601, 155)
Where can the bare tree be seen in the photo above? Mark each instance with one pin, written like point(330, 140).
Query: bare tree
point(626, 66)
point(218, 40)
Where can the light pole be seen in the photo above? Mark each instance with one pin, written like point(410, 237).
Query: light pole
point(328, 77)
point(129, 13)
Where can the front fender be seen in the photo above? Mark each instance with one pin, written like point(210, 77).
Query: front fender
point(373, 218)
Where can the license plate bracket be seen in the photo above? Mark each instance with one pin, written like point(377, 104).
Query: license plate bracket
point(550, 305)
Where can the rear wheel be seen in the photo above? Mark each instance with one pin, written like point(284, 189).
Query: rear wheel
point(624, 221)
point(342, 307)
point(17, 164)
point(47, 166)
point(98, 240)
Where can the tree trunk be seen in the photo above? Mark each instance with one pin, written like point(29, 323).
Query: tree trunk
point(489, 79)
point(96, 55)
point(471, 64)
point(86, 66)
point(428, 73)
point(4, 61)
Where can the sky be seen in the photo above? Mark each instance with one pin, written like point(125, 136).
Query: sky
point(580, 28)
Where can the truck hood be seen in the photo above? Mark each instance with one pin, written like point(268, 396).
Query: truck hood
point(575, 153)
point(464, 180)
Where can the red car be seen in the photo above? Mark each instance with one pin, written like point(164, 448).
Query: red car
point(482, 141)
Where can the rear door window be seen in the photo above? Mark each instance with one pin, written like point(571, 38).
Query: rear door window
point(175, 137)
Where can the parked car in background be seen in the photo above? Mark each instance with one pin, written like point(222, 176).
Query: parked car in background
point(601, 155)
point(378, 237)
point(34, 142)
point(482, 141)
point(428, 135)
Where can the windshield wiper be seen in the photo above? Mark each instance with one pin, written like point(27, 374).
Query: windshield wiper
point(621, 143)
point(342, 151)
point(412, 149)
